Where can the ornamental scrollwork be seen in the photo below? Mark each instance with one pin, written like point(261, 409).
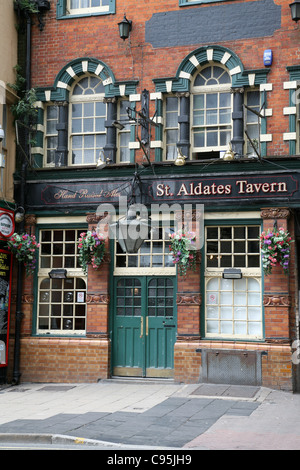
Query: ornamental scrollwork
point(185, 298)
point(275, 213)
point(97, 298)
point(276, 300)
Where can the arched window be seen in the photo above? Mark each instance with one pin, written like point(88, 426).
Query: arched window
point(87, 121)
point(211, 110)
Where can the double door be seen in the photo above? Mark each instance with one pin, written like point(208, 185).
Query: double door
point(144, 326)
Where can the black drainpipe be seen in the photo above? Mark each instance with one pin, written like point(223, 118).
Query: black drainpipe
point(19, 313)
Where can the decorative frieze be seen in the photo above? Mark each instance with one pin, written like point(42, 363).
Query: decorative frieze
point(95, 298)
point(188, 338)
point(188, 298)
point(30, 219)
point(277, 300)
point(275, 213)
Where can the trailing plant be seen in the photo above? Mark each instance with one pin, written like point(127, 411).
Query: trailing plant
point(91, 249)
point(182, 246)
point(25, 248)
point(26, 6)
point(275, 249)
point(24, 110)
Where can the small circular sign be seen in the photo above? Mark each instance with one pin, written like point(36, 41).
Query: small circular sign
point(7, 225)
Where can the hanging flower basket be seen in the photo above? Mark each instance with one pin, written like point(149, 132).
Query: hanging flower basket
point(91, 250)
point(25, 248)
point(275, 247)
point(182, 246)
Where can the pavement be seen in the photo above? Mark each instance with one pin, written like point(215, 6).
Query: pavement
point(140, 414)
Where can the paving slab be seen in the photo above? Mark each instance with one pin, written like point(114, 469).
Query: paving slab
point(185, 416)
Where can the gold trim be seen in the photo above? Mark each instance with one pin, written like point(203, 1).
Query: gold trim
point(152, 373)
point(138, 372)
point(128, 371)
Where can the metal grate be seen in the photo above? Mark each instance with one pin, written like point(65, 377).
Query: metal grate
point(56, 388)
point(241, 391)
point(231, 367)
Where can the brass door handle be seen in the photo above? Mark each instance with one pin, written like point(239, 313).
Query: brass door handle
point(142, 327)
point(147, 326)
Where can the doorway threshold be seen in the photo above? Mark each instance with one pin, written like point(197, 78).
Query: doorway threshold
point(140, 380)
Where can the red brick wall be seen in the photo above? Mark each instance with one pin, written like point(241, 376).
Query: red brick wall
point(276, 362)
point(63, 359)
point(97, 36)
point(279, 322)
point(62, 41)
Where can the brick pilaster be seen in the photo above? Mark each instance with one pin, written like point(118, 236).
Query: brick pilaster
point(276, 297)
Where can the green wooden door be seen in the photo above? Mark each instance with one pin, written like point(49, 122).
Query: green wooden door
point(144, 330)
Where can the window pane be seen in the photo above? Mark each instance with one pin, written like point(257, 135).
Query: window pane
point(199, 101)
point(225, 100)
point(212, 138)
point(171, 137)
point(199, 139)
point(225, 116)
point(100, 109)
point(172, 119)
point(88, 109)
point(198, 117)
point(224, 137)
point(172, 104)
point(212, 100)
point(224, 78)
point(74, 4)
point(225, 232)
point(212, 232)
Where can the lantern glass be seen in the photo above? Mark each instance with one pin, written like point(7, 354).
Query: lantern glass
point(295, 10)
point(124, 28)
point(131, 232)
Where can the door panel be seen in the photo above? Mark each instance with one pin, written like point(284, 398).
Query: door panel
point(160, 314)
point(144, 327)
point(128, 347)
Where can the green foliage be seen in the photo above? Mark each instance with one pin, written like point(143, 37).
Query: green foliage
point(26, 6)
point(91, 249)
point(24, 247)
point(24, 110)
point(182, 246)
point(275, 248)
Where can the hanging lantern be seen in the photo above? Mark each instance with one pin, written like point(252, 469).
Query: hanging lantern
point(124, 28)
point(131, 231)
point(295, 10)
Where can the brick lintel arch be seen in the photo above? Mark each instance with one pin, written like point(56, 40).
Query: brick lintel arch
point(80, 66)
point(205, 55)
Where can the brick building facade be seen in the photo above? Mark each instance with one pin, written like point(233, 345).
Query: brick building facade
point(198, 72)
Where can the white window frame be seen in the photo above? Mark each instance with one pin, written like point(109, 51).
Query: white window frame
point(249, 151)
point(205, 90)
point(213, 304)
point(84, 99)
point(170, 128)
point(123, 132)
point(48, 135)
point(75, 272)
point(168, 268)
point(82, 10)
